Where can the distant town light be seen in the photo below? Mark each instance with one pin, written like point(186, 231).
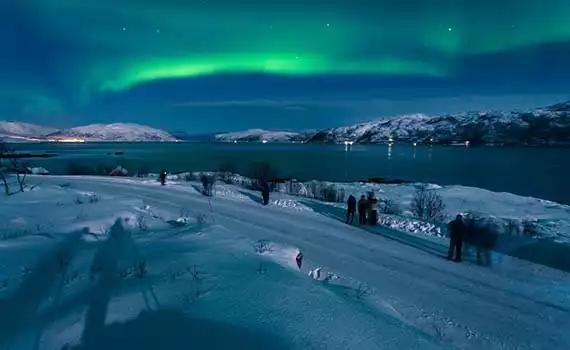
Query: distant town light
point(264, 141)
point(415, 144)
point(235, 141)
point(467, 143)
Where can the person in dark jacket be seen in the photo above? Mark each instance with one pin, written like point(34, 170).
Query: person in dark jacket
point(372, 209)
point(350, 209)
point(456, 231)
point(265, 192)
point(162, 177)
point(362, 209)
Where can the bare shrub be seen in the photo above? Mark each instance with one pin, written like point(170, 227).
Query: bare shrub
point(208, 181)
point(189, 177)
point(262, 246)
point(139, 269)
point(530, 228)
point(201, 218)
point(196, 272)
point(438, 330)
point(95, 198)
point(13, 165)
point(141, 222)
point(428, 205)
point(363, 291)
point(512, 227)
point(390, 207)
point(331, 193)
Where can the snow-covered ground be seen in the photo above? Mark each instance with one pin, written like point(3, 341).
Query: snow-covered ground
point(115, 263)
point(508, 212)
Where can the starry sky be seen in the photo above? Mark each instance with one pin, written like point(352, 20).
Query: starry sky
point(224, 65)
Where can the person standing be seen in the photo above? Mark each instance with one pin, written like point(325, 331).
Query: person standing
point(162, 177)
point(351, 209)
point(265, 192)
point(362, 209)
point(456, 232)
point(373, 209)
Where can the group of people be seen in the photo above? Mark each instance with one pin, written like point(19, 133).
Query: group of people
point(367, 209)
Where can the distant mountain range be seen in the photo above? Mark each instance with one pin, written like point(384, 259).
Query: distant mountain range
point(541, 126)
point(117, 132)
point(535, 127)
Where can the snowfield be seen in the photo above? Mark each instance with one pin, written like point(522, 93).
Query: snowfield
point(119, 263)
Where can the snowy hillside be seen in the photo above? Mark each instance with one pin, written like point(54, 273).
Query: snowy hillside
point(543, 126)
point(258, 135)
point(11, 130)
point(114, 132)
point(108, 263)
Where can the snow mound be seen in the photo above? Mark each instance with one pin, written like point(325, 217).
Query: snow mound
point(38, 171)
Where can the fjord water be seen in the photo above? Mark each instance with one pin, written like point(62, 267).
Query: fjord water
point(537, 172)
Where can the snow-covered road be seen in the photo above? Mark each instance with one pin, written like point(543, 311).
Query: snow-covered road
point(467, 305)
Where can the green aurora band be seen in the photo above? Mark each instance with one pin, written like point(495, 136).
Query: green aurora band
point(144, 41)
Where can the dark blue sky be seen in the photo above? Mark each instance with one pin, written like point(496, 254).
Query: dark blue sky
point(214, 65)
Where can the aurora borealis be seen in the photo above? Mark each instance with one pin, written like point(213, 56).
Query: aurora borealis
point(206, 65)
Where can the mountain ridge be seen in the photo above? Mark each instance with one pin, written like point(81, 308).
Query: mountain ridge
point(115, 132)
point(540, 126)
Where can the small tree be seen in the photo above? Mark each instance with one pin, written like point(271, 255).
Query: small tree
point(208, 181)
point(13, 165)
point(428, 205)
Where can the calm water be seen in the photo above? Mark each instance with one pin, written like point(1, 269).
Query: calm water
point(538, 172)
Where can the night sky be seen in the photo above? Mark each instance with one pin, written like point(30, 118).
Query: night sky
point(225, 65)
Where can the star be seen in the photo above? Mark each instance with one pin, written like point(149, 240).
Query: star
point(449, 29)
point(158, 30)
point(328, 25)
point(124, 29)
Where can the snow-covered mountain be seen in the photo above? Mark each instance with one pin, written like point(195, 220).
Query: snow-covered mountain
point(542, 126)
point(125, 132)
point(14, 131)
point(114, 132)
point(259, 135)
